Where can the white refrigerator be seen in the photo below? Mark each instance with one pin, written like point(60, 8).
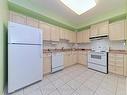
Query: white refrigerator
point(24, 56)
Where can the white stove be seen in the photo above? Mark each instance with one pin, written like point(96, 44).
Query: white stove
point(98, 61)
point(98, 57)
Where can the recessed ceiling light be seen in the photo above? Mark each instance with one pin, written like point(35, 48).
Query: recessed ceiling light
point(79, 6)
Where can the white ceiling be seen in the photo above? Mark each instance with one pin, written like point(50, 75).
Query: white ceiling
point(58, 11)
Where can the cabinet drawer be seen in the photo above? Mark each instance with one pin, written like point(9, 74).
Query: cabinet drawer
point(119, 70)
point(46, 68)
point(110, 62)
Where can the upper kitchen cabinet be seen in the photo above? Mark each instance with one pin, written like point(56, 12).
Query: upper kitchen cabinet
point(18, 18)
point(72, 37)
point(46, 31)
point(117, 30)
point(93, 31)
point(103, 28)
point(32, 22)
point(86, 35)
point(126, 29)
point(100, 29)
point(64, 34)
point(55, 33)
point(79, 37)
point(83, 36)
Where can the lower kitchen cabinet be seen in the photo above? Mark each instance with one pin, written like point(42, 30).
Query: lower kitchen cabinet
point(70, 58)
point(47, 63)
point(116, 63)
point(125, 65)
point(74, 57)
point(66, 59)
point(82, 57)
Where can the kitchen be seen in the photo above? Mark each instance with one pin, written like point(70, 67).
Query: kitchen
point(90, 59)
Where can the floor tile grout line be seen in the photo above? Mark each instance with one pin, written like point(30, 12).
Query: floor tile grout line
point(116, 86)
point(99, 85)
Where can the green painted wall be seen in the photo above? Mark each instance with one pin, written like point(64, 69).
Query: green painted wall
point(3, 32)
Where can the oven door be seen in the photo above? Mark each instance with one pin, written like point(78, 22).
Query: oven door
point(98, 58)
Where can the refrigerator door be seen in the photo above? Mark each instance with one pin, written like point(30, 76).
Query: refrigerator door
point(24, 66)
point(23, 34)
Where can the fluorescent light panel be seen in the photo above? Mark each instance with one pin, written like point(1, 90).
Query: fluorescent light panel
point(79, 6)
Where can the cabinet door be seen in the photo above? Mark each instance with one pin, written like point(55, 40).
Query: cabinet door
point(112, 69)
point(85, 58)
point(32, 22)
point(111, 59)
point(73, 37)
point(70, 59)
point(66, 34)
point(19, 18)
point(54, 33)
point(62, 33)
point(126, 29)
point(74, 59)
point(94, 31)
point(85, 36)
point(70, 36)
point(66, 59)
point(117, 30)
point(46, 31)
point(119, 70)
point(79, 37)
point(103, 28)
point(120, 60)
point(125, 65)
point(47, 63)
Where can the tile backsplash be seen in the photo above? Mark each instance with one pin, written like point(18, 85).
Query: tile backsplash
point(117, 45)
point(113, 45)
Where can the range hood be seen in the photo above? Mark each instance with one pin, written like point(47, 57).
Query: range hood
point(98, 37)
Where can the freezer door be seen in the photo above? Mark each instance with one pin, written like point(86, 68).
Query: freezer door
point(18, 33)
point(24, 66)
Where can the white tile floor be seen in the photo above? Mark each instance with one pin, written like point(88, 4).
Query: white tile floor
point(77, 80)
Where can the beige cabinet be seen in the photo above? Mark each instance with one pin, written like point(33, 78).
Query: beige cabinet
point(70, 58)
point(86, 35)
point(66, 58)
point(18, 18)
point(47, 63)
point(82, 57)
point(100, 29)
point(64, 34)
point(79, 37)
point(117, 30)
point(32, 22)
point(46, 31)
point(116, 63)
point(103, 28)
point(125, 65)
point(74, 57)
point(93, 31)
point(83, 36)
point(72, 37)
point(126, 29)
point(55, 33)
